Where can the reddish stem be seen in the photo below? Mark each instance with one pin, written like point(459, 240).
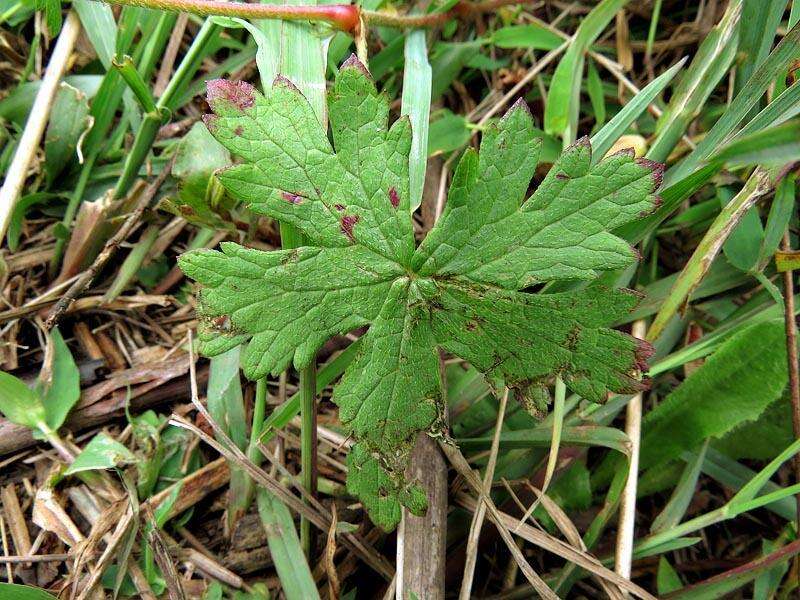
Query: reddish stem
point(342, 16)
point(346, 17)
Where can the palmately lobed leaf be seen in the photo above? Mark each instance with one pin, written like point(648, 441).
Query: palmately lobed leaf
point(462, 290)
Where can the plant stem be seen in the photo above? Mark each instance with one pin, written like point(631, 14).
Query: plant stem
point(292, 238)
point(627, 511)
point(791, 357)
point(259, 410)
point(308, 445)
point(346, 17)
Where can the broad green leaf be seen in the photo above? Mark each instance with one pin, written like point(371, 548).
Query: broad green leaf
point(20, 404)
point(744, 243)
point(734, 385)
point(458, 291)
point(59, 383)
point(448, 132)
point(9, 591)
point(69, 119)
point(200, 200)
point(102, 452)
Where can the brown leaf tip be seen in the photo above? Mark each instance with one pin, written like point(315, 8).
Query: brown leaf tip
point(629, 152)
point(354, 63)
point(394, 198)
point(280, 80)
point(642, 354)
point(238, 93)
point(656, 170)
point(347, 223)
point(210, 121)
point(580, 143)
point(520, 104)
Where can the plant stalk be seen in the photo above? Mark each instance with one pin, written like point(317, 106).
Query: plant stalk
point(259, 410)
point(308, 445)
point(346, 17)
point(791, 357)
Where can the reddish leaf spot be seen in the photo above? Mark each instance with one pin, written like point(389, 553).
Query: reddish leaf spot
point(339, 207)
point(562, 176)
point(238, 131)
point(347, 222)
point(186, 210)
point(393, 197)
point(222, 323)
point(239, 93)
point(292, 198)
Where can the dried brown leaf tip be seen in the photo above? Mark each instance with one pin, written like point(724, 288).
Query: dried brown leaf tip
point(237, 93)
point(354, 63)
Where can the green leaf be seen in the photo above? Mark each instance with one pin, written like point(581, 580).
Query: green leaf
point(744, 243)
point(102, 452)
point(23, 592)
point(20, 404)
point(226, 406)
point(52, 15)
point(100, 27)
point(532, 36)
point(416, 103)
point(200, 200)
point(59, 382)
point(667, 579)
point(458, 291)
point(284, 547)
point(448, 132)
point(69, 118)
point(734, 385)
point(562, 97)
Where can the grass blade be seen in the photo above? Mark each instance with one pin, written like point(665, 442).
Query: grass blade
point(562, 98)
point(284, 547)
point(778, 61)
point(708, 67)
point(416, 104)
point(605, 138)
